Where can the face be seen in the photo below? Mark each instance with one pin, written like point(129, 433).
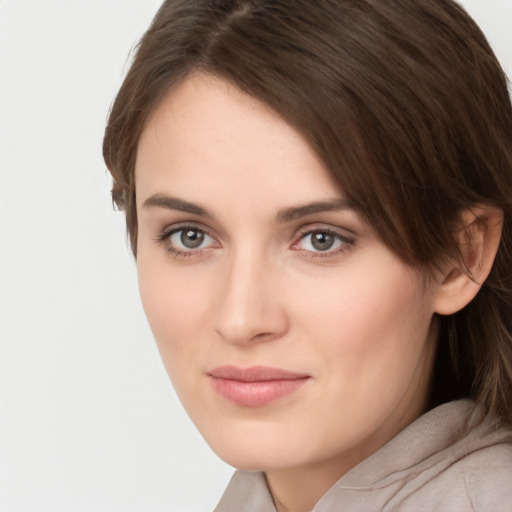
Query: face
point(292, 335)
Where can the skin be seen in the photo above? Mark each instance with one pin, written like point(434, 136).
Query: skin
point(257, 291)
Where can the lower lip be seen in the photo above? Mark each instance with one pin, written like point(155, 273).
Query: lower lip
point(256, 394)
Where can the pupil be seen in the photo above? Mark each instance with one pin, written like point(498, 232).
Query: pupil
point(192, 239)
point(322, 241)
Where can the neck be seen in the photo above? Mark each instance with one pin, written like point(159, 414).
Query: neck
point(299, 489)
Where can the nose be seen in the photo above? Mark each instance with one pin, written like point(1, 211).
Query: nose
point(250, 308)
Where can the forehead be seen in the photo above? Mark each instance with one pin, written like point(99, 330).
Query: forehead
point(208, 132)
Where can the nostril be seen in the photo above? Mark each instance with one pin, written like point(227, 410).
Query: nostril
point(261, 336)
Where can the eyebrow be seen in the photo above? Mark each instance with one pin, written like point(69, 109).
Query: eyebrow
point(173, 203)
point(297, 212)
point(283, 216)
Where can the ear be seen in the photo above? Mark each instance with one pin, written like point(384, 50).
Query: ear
point(478, 240)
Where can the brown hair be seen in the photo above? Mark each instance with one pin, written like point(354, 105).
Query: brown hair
point(403, 100)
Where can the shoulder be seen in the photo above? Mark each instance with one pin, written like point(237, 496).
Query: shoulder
point(483, 478)
point(475, 475)
point(453, 459)
point(479, 482)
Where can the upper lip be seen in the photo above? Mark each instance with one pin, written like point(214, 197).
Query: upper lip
point(254, 373)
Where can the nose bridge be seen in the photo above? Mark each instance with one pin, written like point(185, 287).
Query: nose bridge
point(248, 308)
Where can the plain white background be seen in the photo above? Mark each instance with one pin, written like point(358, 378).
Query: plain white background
point(88, 420)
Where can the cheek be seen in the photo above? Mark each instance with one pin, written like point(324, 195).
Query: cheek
point(175, 309)
point(369, 323)
point(370, 339)
point(175, 312)
point(359, 302)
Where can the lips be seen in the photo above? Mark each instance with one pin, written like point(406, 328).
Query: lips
point(256, 386)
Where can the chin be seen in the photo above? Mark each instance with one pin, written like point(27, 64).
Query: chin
point(251, 459)
point(259, 449)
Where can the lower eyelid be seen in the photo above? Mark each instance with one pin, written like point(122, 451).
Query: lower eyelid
point(326, 255)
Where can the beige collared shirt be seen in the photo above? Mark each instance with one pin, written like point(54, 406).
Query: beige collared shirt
point(452, 459)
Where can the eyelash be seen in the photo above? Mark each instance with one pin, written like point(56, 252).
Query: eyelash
point(345, 242)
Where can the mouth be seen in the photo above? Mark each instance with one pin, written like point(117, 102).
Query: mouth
point(256, 386)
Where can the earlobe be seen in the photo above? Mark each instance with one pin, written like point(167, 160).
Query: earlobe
point(478, 241)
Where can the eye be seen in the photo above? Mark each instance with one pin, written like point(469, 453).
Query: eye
point(322, 241)
point(190, 238)
point(186, 240)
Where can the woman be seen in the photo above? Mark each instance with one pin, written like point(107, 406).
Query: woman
point(319, 198)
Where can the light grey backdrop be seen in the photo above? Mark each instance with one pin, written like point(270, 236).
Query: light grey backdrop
point(88, 420)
